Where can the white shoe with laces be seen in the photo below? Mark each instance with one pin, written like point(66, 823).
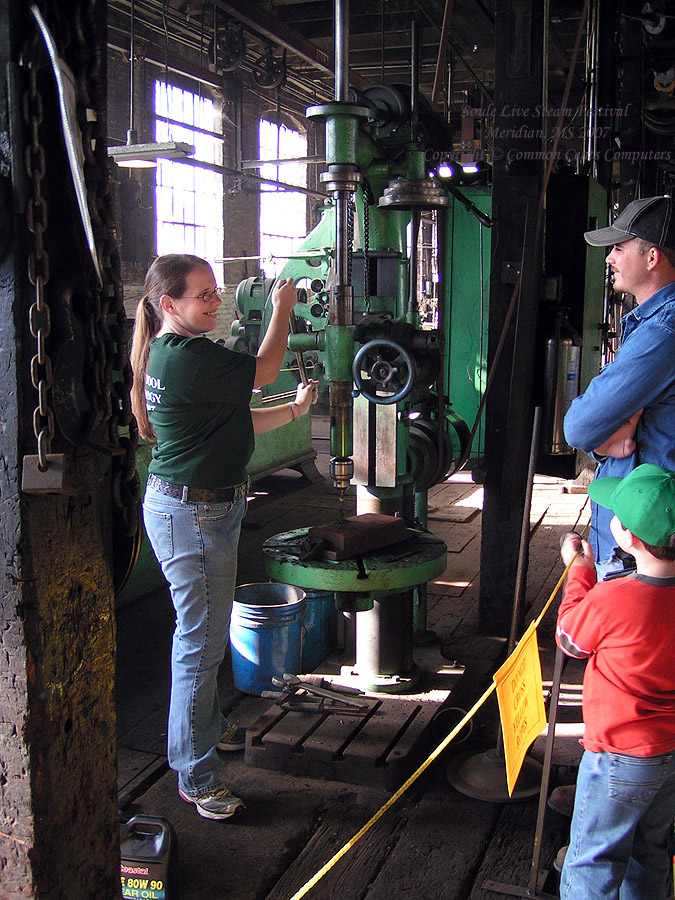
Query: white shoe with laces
point(219, 804)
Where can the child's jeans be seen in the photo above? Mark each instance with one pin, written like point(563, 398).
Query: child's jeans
point(621, 829)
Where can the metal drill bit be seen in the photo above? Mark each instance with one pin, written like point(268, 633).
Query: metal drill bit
point(341, 492)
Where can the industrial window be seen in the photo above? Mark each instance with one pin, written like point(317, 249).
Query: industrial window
point(189, 198)
point(283, 213)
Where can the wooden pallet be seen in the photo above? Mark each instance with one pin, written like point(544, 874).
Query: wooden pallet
point(381, 748)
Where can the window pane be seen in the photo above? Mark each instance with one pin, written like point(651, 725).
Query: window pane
point(189, 199)
point(283, 214)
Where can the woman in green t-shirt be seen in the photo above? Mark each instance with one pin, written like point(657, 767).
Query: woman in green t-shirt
point(192, 397)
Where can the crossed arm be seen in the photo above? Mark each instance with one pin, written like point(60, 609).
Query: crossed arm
point(622, 443)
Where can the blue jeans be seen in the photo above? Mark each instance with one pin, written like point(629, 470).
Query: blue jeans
point(621, 829)
point(614, 565)
point(196, 546)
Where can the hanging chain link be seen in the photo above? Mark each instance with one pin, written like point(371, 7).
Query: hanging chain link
point(107, 372)
point(106, 315)
point(39, 319)
point(351, 211)
point(366, 255)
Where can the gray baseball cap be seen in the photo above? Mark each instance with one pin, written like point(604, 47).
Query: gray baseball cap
point(650, 218)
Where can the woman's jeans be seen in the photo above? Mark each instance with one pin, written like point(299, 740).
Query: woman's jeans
point(621, 829)
point(196, 546)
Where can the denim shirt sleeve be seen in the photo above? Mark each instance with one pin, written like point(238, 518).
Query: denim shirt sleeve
point(640, 374)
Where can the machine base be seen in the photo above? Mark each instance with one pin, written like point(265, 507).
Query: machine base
point(483, 776)
point(383, 684)
point(382, 748)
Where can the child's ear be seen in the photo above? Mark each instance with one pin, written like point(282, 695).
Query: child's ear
point(631, 539)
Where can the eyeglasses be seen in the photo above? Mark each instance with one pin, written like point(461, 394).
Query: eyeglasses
point(205, 296)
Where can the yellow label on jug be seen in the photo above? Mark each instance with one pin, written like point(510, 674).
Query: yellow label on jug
point(137, 883)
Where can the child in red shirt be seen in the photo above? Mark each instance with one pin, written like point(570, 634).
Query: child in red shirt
point(625, 797)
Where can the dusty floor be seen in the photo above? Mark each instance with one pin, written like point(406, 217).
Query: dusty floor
point(434, 842)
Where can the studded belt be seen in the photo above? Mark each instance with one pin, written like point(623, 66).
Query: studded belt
point(198, 495)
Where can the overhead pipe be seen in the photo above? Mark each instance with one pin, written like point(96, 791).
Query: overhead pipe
point(341, 180)
point(592, 33)
point(414, 135)
point(342, 51)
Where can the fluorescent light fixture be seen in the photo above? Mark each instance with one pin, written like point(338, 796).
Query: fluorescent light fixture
point(133, 155)
point(142, 156)
point(445, 171)
point(470, 169)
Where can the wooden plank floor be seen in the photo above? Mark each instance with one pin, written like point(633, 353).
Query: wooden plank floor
point(434, 843)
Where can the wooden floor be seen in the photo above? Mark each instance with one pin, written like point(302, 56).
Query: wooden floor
point(433, 843)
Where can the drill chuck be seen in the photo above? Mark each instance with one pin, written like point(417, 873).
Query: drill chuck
point(341, 470)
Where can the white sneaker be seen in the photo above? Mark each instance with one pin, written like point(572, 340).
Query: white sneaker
point(219, 804)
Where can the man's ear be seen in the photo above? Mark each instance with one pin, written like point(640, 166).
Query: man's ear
point(654, 257)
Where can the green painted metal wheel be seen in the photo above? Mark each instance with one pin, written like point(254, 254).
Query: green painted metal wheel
point(386, 571)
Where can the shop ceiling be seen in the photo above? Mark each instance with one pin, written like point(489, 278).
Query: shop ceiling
point(293, 40)
point(284, 49)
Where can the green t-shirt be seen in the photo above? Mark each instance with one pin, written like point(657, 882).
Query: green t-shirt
point(198, 395)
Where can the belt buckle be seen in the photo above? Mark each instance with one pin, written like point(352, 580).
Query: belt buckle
point(243, 489)
point(184, 494)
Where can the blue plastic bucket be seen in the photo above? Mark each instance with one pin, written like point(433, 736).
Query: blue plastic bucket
point(320, 632)
point(265, 635)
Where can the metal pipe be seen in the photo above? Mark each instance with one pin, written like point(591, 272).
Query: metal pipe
point(302, 369)
point(533, 882)
point(414, 79)
point(442, 57)
point(258, 163)
point(338, 312)
point(592, 54)
point(132, 64)
point(412, 281)
point(521, 572)
point(414, 132)
point(228, 170)
point(544, 82)
point(341, 304)
point(523, 550)
point(342, 50)
point(441, 236)
point(342, 243)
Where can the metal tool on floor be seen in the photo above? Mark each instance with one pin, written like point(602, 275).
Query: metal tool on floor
point(305, 695)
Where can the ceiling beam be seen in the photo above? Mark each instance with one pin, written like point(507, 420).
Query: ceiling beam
point(274, 30)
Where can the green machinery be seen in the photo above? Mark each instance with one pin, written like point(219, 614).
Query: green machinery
point(392, 317)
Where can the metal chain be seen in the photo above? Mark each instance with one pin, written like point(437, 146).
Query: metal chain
point(106, 318)
point(351, 209)
point(366, 254)
point(107, 376)
point(39, 319)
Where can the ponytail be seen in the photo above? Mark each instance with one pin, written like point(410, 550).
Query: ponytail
point(146, 327)
point(167, 275)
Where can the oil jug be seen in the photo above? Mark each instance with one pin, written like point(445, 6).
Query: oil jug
point(149, 859)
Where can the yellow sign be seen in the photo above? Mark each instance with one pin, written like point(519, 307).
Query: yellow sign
point(521, 702)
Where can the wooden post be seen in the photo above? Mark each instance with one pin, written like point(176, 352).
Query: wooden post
point(518, 169)
point(58, 796)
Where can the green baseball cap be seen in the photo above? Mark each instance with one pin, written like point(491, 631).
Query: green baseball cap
point(643, 501)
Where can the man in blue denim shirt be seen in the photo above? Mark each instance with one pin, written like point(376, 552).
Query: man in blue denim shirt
point(626, 416)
